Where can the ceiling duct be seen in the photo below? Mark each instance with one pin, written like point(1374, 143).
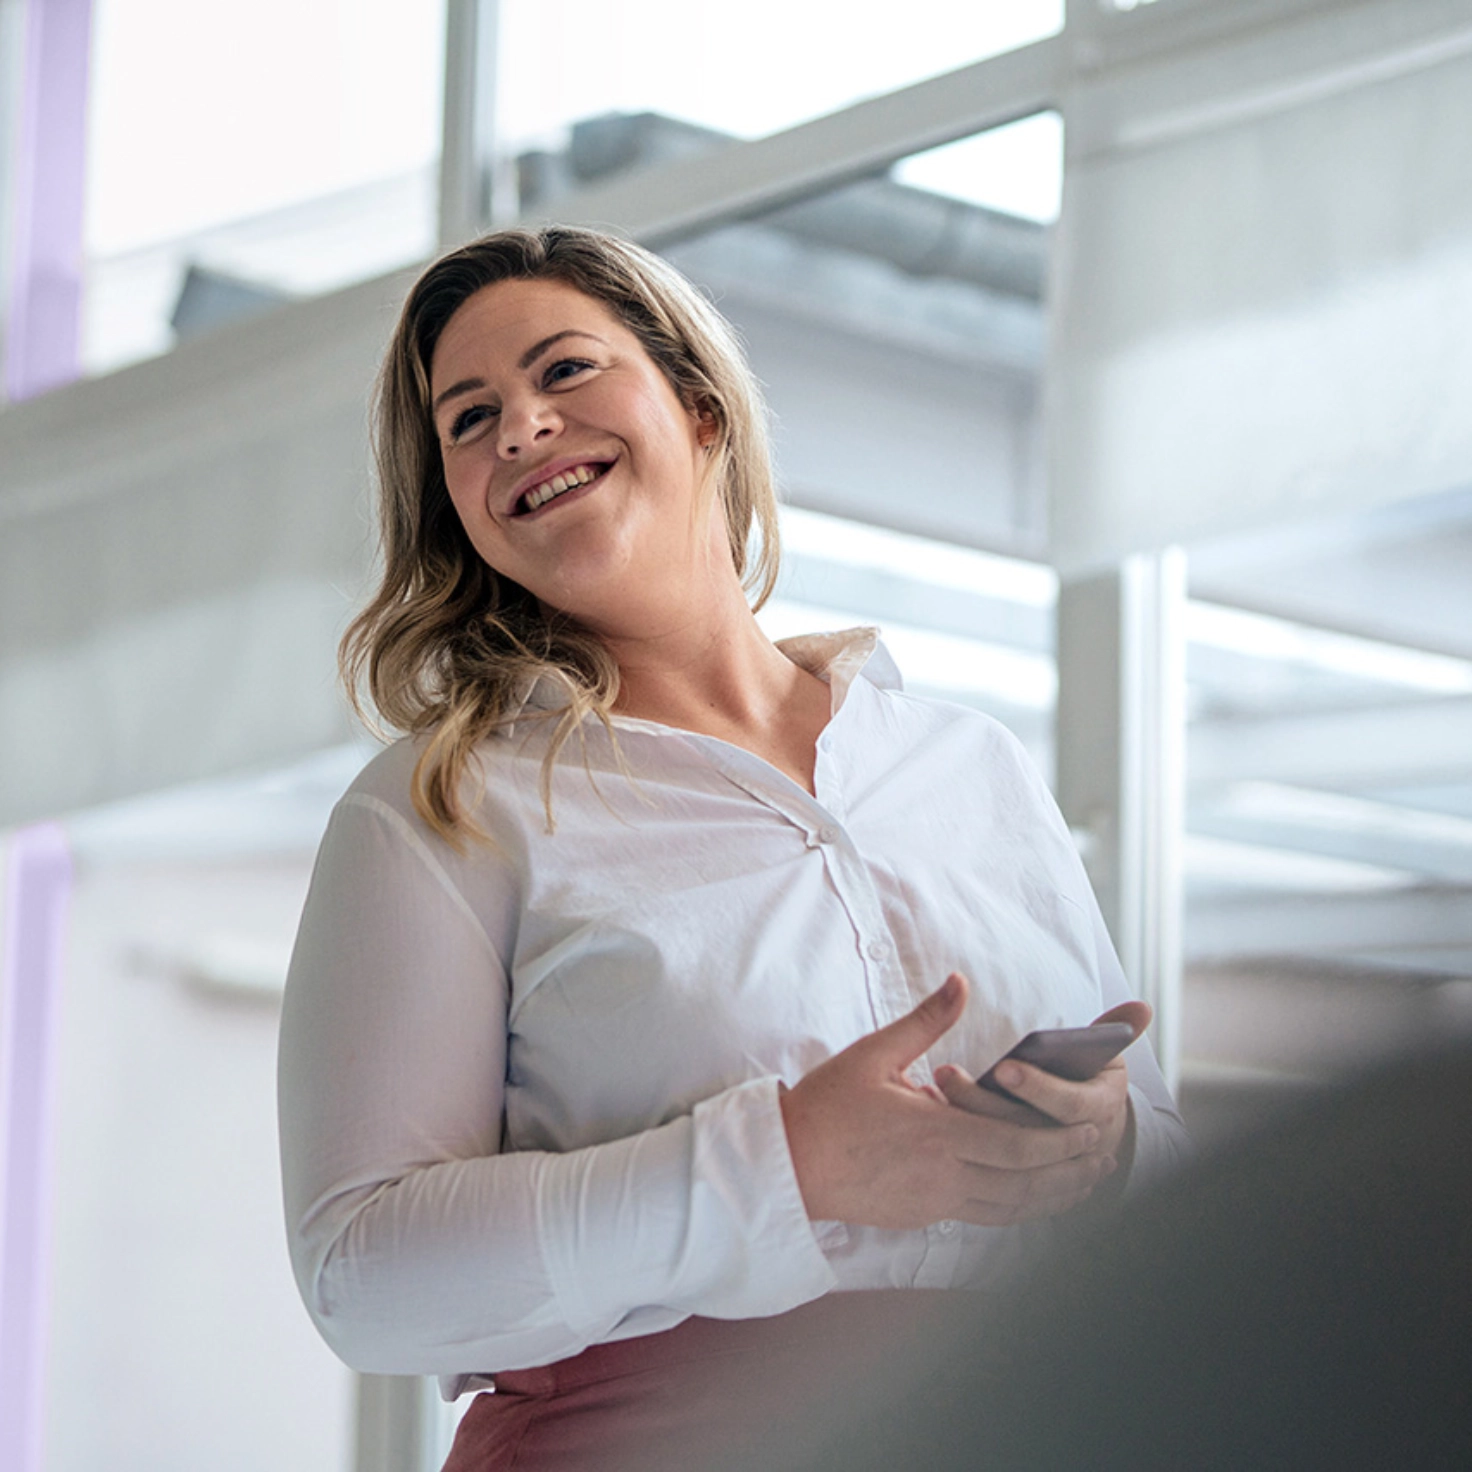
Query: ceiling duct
point(925, 234)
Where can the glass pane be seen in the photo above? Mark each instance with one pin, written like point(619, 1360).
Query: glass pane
point(899, 331)
point(963, 625)
point(897, 326)
point(1329, 818)
point(743, 69)
point(276, 149)
point(1016, 170)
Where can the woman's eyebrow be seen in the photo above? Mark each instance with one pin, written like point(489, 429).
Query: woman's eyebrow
point(465, 386)
point(468, 385)
point(537, 349)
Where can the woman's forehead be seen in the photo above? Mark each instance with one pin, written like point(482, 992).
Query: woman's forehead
point(508, 319)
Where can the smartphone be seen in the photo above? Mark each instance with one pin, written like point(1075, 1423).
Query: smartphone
point(1075, 1053)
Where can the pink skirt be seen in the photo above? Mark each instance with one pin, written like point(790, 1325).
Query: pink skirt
point(705, 1393)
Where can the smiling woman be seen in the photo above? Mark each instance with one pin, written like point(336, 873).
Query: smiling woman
point(455, 638)
point(574, 476)
point(617, 1098)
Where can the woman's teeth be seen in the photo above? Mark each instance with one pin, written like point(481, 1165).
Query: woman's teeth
point(568, 480)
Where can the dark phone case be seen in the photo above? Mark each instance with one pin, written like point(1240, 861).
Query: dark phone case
point(1074, 1053)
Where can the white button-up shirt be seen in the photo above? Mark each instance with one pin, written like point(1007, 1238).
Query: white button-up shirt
point(529, 1094)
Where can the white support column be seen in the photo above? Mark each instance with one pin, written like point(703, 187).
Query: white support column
point(32, 949)
point(1121, 764)
point(473, 188)
point(400, 1425)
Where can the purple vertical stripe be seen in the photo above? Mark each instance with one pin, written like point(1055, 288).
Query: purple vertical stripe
point(38, 885)
point(43, 326)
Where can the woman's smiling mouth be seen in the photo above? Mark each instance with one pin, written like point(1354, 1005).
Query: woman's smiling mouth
point(571, 478)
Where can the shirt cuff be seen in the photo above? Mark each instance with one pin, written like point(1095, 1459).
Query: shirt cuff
point(702, 1215)
point(1162, 1145)
point(747, 1191)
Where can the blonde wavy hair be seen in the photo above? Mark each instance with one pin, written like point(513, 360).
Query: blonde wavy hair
point(447, 648)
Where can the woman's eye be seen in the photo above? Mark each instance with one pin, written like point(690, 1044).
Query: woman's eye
point(467, 419)
point(564, 369)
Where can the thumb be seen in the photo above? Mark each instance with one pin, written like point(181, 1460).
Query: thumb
point(902, 1042)
point(1137, 1014)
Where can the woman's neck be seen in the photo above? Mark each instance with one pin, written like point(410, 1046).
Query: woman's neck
point(721, 668)
point(717, 673)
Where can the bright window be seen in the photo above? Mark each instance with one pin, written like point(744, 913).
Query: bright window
point(747, 69)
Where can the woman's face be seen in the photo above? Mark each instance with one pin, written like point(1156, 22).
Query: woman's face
point(573, 465)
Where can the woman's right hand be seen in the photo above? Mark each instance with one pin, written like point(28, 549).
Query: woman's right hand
point(871, 1147)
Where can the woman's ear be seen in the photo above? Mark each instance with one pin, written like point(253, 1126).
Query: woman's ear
point(707, 426)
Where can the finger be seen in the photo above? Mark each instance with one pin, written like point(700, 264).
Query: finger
point(998, 1214)
point(1062, 1099)
point(1138, 1014)
point(964, 1092)
point(1048, 1183)
point(1023, 1195)
point(902, 1042)
point(1003, 1145)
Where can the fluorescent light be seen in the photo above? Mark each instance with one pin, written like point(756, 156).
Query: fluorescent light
point(1284, 642)
point(1225, 864)
point(1339, 812)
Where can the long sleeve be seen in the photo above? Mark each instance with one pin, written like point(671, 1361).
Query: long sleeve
point(1162, 1143)
point(529, 1094)
point(418, 1248)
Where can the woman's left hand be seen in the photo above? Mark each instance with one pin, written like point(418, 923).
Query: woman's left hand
point(1102, 1101)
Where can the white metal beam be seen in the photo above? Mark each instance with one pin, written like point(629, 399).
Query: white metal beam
point(1182, 78)
point(1405, 923)
point(1126, 73)
point(1435, 847)
point(1411, 744)
point(700, 193)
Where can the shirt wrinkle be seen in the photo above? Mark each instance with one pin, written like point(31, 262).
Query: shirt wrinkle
point(421, 851)
point(616, 1023)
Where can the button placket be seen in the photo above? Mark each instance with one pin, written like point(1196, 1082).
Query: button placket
point(823, 827)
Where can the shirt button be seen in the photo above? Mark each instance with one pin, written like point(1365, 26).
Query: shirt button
point(827, 833)
point(877, 950)
point(948, 1229)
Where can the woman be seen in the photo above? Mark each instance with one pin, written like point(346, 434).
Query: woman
point(608, 1019)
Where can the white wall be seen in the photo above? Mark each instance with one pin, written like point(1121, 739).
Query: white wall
point(1263, 308)
point(177, 1339)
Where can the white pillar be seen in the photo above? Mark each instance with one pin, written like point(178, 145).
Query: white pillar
point(33, 931)
point(400, 1425)
point(1121, 765)
point(472, 187)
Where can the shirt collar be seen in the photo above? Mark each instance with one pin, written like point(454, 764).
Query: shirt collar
point(840, 658)
point(835, 658)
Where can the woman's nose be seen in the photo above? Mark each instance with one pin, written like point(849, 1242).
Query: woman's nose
point(524, 425)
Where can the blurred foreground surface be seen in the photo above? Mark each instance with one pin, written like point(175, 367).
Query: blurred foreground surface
point(1302, 1299)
